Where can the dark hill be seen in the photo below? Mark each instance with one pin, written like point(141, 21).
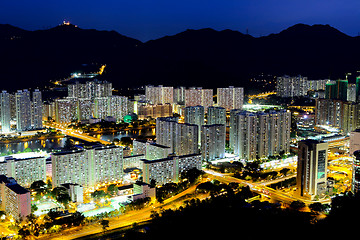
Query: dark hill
point(204, 57)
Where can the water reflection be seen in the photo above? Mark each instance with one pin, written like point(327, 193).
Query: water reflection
point(47, 144)
point(55, 143)
point(131, 133)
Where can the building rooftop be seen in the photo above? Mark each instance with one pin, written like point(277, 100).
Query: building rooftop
point(17, 188)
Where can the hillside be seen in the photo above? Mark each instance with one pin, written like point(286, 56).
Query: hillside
point(204, 57)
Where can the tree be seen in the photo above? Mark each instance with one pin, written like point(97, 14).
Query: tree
point(284, 171)
point(191, 175)
point(38, 186)
point(111, 189)
point(63, 198)
point(126, 141)
point(297, 205)
point(104, 224)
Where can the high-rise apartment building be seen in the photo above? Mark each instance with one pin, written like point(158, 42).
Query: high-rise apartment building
point(84, 109)
point(356, 172)
point(179, 95)
point(354, 141)
point(159, 94)
point(230, 98)
point(155, 111)
point(337, 113)
point(261, 134)
point(5, 112)
point(87, 167)
point(23, 110)
point(233, 127)
point(90, 89)
point(287, 86)
point(37, 109)
point(216, 115)
point(101, 107)
point(199, 97)
point(311, 178)
point(181, 138)
point(186, 139)
point(165, 130)
point(66, 110)
point(195, 115)
point(336, 89)
point(118, 107)
point(213, 142)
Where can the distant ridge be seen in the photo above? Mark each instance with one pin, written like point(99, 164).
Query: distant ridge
point(204, 57)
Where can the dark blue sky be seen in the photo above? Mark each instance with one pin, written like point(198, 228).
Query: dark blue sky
point(150, 19)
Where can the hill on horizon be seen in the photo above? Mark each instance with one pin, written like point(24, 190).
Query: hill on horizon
point(204, 57)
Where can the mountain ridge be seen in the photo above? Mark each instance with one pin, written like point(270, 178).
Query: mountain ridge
point(203, 57)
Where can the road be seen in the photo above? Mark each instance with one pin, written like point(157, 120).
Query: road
point(124, 220)
point(73, 133)
point(264, 190)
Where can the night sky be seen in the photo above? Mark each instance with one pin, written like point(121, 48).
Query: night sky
point(151, 19)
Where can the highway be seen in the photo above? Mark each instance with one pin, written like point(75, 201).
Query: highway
point(264, 190)
point(124, 220)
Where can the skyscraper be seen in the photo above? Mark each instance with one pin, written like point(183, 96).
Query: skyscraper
point(216, 115)
point(199, 97)
point(336, 89)
point(65, 110)
point(311, 178)
point(195, 115)
point(37, 106)
point(287, 86)
point(5, 115)
point(85, 109)
point(230, 98)
point(118, 107)
point(159, 94)
point(181, 138)
point(213, 142)
point(356, 172)
point(260, 134)
point(165, 130)
point(101, 107)
point(23, 110)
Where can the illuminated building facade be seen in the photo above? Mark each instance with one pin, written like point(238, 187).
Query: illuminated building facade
point(37, 109)
point(213, 142)
point(195, 115)
point(26, 168)
point(5, 111)
point(15, 200)
point(23, 110)
point(216, 115)
point(311, 177)
point(66, 110)
point(168, 170)
point(88, 167)
point(258, 135)
point(230, 98)
point(287, 86)
point(199, 97)
point(356, 172)
point(182, 139)
point(159, 94)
